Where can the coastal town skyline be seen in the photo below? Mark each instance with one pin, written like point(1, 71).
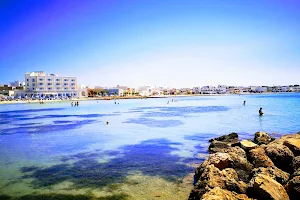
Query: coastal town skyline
point(169, 43)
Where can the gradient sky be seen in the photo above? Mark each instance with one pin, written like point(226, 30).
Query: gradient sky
point(177, 43)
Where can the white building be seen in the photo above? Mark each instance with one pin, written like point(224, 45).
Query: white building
point(208, 90)
point(221, 89)
point(294, 88)
point(145, 91)
point(40, 84)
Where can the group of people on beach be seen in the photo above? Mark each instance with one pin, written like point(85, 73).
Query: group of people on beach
point(259, 111)
point(75, 104)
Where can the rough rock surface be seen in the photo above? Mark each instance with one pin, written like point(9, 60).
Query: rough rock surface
point(293, 188)
point(273, 172)
point(230, 138)
point(281, 155)
point(223, 142)
point(219, 160)
point(264, 187)
point(248, 145)
point(293, 144)
point(213, 177)
point(262, 138)
point(296, 163)
point(259, 158)
point(222, 194)
point(266, 169)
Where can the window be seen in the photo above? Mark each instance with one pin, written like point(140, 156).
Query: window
point(65, 80)
point(33, 80)
point(49, 79)
point(41, 88)
point(66, 88)
point(57, 83)
point(73, 84)
point(33, 84)
point(57, 79)
point(58, 88)
point(41, 83)
point(41, 79)
point(65, 84)
point(49, 88)
point(27, 80)
point(32, 88)
point(73, 80)
point(49, 83)
point(73, 88)
point(27, 84)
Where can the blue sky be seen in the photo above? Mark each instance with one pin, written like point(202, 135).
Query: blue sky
point(178, 43)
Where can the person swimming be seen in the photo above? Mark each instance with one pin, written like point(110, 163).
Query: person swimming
point(107, 122)
point(260, 112)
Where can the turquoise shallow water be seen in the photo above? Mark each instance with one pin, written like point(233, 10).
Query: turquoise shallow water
point(61, 149)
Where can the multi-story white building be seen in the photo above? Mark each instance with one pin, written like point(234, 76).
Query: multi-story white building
point(40, 84)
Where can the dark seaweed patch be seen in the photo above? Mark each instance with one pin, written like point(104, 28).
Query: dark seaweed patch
point(152, 157)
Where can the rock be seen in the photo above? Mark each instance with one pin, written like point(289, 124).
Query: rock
point(210, 178)
point(262, 138)
point(281, 156)
point(217, 146)
point(241, 165)
point(264, 187)
point(232, 182)
point(293, 144)
point(219, 160)
point(293, 188)
point(259, 158)
point(273, 172)
point(230, 138)
point(248, 145)
point(221, 194)
point(296, 163)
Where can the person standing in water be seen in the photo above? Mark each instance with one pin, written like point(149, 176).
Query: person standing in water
point(244, 102)
point(260, 112)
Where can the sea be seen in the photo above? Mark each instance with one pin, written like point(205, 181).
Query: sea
point(126, 149)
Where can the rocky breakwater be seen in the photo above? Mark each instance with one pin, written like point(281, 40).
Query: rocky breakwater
point(263, 168)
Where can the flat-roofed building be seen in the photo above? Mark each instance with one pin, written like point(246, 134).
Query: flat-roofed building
point(40, 84)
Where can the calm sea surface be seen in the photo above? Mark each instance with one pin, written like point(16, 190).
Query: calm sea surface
point(147, 151)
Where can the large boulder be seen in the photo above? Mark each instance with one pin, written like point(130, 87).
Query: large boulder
point(292, 141)
point(273, 172)
point(220, 143)
point(293, 144)
point(217, 146)
point(281, 155)
point(248, 145)
point(213, 177)
point(259, 158)
point(210, 178)
point(262, 138)
point(293, 188)
point(230, 138)
point(264, 187)
point(222, 194)
point(219, 160)
point(232, 182)
point(296, 163)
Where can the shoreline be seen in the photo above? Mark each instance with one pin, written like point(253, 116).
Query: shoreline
point(131, 97)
